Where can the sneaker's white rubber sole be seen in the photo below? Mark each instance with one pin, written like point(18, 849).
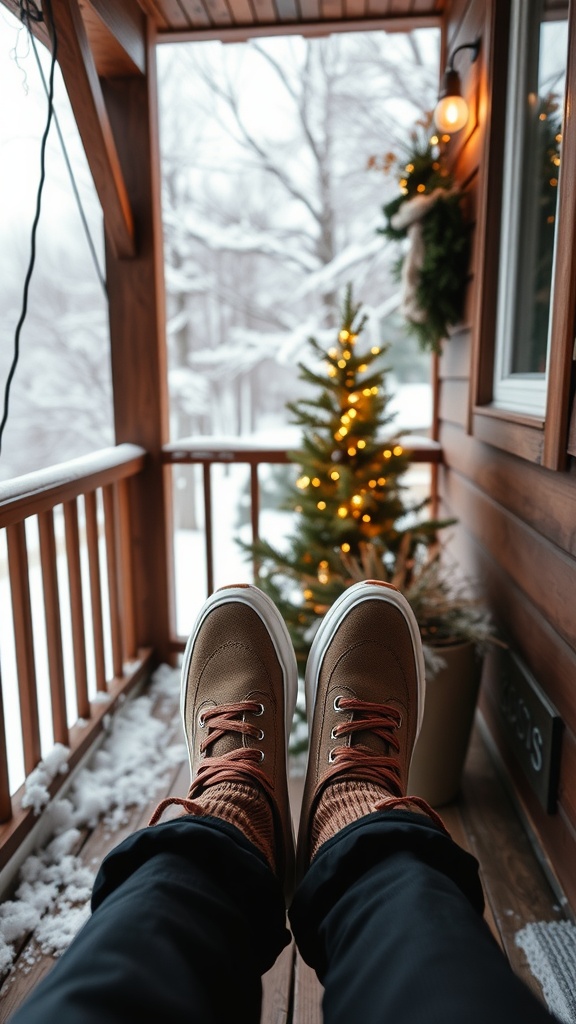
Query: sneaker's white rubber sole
point(351, 598)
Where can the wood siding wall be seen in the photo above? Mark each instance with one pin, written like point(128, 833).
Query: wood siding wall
point(517, 521)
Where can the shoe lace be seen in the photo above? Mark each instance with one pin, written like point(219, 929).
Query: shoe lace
point(239, 765)
point(358, 761)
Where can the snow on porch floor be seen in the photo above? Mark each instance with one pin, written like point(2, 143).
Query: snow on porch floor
point(143, 759)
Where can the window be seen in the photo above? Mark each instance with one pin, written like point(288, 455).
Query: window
point(535, 101)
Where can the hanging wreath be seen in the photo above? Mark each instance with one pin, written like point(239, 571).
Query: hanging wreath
point(428, 212)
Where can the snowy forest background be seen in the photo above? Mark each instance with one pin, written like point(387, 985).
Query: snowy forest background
point(269, 209)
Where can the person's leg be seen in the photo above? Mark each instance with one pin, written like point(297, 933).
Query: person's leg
point(189, 913)
point(389, 911)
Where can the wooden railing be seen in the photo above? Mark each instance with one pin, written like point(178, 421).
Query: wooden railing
point(81, 508)
point(209, 451)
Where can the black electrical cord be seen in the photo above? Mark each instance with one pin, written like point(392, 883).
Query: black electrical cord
point(69, 168)
point(29, 12)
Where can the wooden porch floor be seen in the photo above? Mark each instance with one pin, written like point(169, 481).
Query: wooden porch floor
point(483, 821)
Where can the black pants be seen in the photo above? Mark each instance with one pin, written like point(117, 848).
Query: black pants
point(187, 916)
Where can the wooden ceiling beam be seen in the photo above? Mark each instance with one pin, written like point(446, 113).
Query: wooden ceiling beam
point(87, 100)
point(116, 30)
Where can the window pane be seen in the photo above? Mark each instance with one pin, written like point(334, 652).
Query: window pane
point(539, 193)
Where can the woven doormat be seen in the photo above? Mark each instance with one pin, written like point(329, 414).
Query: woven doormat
point(550, 950)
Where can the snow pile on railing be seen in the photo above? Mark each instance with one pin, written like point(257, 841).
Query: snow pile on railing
point(131, 766)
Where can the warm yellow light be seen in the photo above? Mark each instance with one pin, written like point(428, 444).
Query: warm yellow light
point(345, 418)
point(344, 335)
point(342, 512)
point(347, 354)
point(398, 449)
point(404, 191)
point(375, 350)
point(366, 518)
point(323, 564)
point(403, 182)
point(352, 451)
point(345, 547)
point(353, 397)
point(553, 182)
point(387, 454)
point(559, 137)
point(362, 368)
point(434, 141)
point(321, 505)
point(409, 168)
point(303, 482)
point(333, 353)
point(451, 114)
point(352, 339)
point(556, 161)
point(332, 371)
point(381, 480)
point(421, 187)
point(542, 116)
point(308, 595)
point(343, 431)
point(342, 364)
point(352, 414)
point(357, 499)
point(315, 481)
point(334, 475)
point(374, 391)
point(361, 444)
point(366, 392)
point(371, 483)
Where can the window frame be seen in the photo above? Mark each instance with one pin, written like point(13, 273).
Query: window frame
point(538, 432)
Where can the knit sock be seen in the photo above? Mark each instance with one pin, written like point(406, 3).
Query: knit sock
point(239, 804)
point(341, 803)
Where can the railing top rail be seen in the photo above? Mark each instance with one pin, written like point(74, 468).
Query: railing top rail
point(238, 449)
point(34, 492)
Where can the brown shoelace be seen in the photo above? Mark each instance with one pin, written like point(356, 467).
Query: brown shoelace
point(239, 765)
point(360, 763)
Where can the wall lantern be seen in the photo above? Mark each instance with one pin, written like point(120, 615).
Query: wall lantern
point(451, 113)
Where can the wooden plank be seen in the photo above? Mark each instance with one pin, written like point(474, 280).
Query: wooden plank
point(138, 355)
point(83, 87)
point(517, 887)
point(545, 574)
point(53, 626)
point(196, 13)
point(454, 401)
point(543, 500)
point(308, 994)
point(92, 543)
point(76, 607)
point(111, 533)
point(277, 988)
point(24, 643)
point(173, 13)
point(354, 8)
point(264, 10)
point(331, 8)
point(116, 31)
point(527, 442)
point(287, 10)
point(152, 9)
point(218, 12)
point(126, 573)
point(241, 11)
point(310, 9)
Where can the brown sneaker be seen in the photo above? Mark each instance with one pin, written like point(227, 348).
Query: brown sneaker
point(239, 687)
point(365, 699)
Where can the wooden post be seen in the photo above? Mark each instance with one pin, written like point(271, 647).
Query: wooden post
point(138, 350)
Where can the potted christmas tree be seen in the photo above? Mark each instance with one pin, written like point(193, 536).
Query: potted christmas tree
point(352, 518)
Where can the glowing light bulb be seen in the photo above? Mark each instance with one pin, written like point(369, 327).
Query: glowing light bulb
point(345, 547)
point(342, 512)
point(347, 354)
point(357, 499)
point(333, 353)
point(366, 518)
point(332, 371)
point(343, 431)
point(361, 444)
point(342, 364)
point(398, 449)
point(321, 505)
point(362, 368)
point(353, 398)
point(371, 483)
point(366, 392)
point(374, 391)
point(345, 418)
point(334, 475)
point(303, 482)
point(420, 187)
point(352, 414)
point(351, 451)
point(381, 480)
point(375, 350)
point(315, 482)
point(387, 454)
point(308, 594)
point(410, 167)
point(344, 335)
point(434, 140)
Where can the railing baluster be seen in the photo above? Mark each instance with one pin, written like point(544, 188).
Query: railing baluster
point(255, 512)
point(24, 643)
point(5, 801)
point(53, 625)
point(126, 575)
point(112, 563)
point(208, 527)
point(76, 606)
point(95, 588)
